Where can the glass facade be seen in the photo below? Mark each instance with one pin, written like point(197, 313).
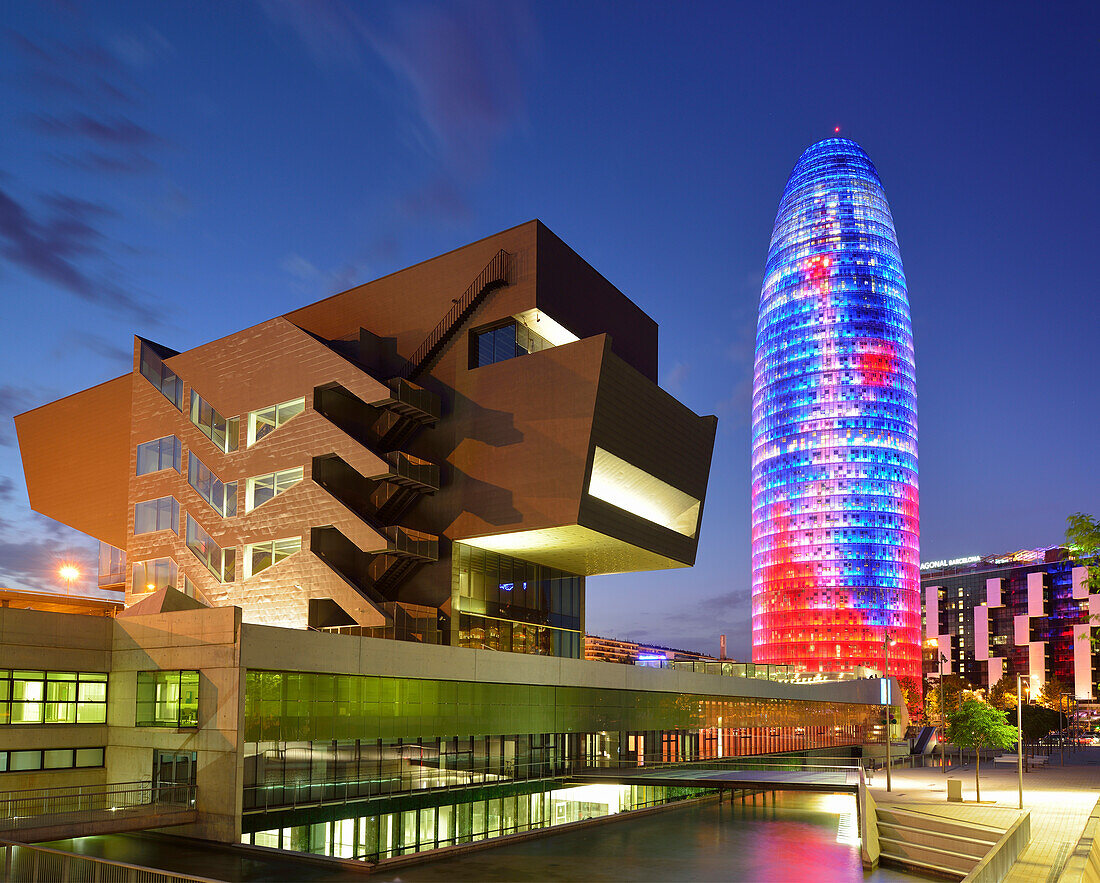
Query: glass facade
point(167, 699)
point(445, 822)
point(34, 759)
point(154, 370)
point(504, 603)
point(154, 515)
point(835, 543)
point(52, 697)
point(154, 575)
point(220, 562)
point(262, 488)
point(318, 737)
point(222, 496)
point(258, 557)
point(267, 420)
point(220, 430)
point(504, 342)
point(158, 454)
point(112, 565)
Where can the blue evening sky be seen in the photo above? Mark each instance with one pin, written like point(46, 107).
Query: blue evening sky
point(183, 170)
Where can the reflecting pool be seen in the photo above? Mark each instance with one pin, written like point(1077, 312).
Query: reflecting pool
point(801, 837)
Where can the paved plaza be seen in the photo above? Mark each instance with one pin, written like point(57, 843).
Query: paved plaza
point(1059, 797)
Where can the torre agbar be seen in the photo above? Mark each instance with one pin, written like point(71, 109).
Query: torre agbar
point(835, 523)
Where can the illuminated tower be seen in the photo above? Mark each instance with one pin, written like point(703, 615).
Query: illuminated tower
point(835, 522)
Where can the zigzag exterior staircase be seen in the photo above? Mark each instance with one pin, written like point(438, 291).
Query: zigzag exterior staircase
point(384, 427)
point(930, 843)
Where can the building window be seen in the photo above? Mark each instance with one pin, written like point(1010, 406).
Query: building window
point(154, 574)
point(505, 342)
point(262, 488)
point(167, 699)
point(50, 759)
point(267, 420)
point(161, 376)
point(221, 495)
point(52, 697)
point(112, 565)
point(220, 562)
point(158, 454)
point(153, 515)
point(258, 557)
point(220, 430)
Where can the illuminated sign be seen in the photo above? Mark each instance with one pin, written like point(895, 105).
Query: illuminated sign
point(953, 562)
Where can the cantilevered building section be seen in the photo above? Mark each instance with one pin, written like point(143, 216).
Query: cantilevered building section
point(835, 544)
point(442, 455)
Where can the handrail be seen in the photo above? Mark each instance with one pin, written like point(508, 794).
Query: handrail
point(14, 866)
point(19, 810)
point(495, 272)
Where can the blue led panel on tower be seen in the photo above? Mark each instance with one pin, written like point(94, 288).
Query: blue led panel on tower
point(835, 521)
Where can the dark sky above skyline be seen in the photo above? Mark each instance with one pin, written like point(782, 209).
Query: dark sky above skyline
point(182, 171)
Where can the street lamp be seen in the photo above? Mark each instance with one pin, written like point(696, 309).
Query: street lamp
point(943, 720)
point(70, 574)
point(886, 642)
point(1020, 738)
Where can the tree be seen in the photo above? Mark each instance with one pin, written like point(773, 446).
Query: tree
point(1083, 542)
point(978, 725)
point(1002, 695)
point(1053, 694)
point(953, 688)
point(1038, 721)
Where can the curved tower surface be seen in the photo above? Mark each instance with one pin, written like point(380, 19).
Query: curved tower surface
point(835, 521)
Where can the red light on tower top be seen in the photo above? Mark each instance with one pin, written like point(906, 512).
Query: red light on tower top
point(836, 130)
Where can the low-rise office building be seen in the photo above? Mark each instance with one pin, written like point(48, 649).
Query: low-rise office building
point(1027, 613)
point(600, 649)
point(366, 748)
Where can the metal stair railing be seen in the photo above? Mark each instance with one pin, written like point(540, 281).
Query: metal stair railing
point(494, 275)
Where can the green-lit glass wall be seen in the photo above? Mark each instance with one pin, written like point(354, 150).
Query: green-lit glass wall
point(318, 737)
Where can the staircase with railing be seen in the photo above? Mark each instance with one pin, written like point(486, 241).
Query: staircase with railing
point(495, 275)
point(385, 427)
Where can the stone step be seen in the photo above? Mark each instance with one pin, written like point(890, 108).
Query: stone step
point(903, 851)
point(935, 839)
point(939, 824)
point(913, 864)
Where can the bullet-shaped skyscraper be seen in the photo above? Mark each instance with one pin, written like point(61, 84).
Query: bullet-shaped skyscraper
point(835, 516)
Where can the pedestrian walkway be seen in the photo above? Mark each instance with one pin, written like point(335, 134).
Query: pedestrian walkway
point(1060, 799)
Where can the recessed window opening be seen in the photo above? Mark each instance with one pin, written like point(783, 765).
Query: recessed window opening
point(627, 487)
point(267, 420)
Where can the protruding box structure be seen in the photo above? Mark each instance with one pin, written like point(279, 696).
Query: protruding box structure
point(442, 455)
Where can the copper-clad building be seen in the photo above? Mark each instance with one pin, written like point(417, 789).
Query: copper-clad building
point(441, 455)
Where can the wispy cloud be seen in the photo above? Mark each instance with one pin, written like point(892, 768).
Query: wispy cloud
point(674, 379)
point(61, 238)
point(55, 242)
point(459, 67)
point(15, 400)
point(33, 561)
point(113, 131)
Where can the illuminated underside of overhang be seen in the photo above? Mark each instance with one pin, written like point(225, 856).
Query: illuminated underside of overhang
point(575, 549)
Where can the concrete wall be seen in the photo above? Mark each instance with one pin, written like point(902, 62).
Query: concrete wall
point(39, 641)
point(206, 640)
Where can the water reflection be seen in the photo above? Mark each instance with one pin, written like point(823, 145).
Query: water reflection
point(799, 837)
